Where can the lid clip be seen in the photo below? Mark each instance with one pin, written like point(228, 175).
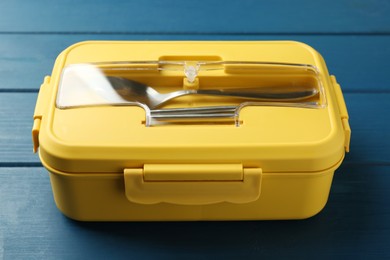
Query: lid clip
point(343, 112)
point(192, 184)
point(39, 110)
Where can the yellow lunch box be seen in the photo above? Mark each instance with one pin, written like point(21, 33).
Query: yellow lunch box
point(181, 130)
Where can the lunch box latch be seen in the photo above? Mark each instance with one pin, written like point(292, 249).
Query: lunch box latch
point(343, 112)
point(39, 110)
point(192, 184)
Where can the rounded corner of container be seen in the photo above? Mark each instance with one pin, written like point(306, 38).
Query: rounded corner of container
point(313, 210)
point(331, 147)
point(312, 213)
point(72, 216)
point(52, 150)
point(73, 46)
point(304, 45)
point(60, 183)
point(78, 44)
point(307, 47)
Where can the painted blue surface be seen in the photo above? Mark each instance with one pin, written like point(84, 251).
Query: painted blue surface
point(354, 224)
point(353, 37)
point(196, 17)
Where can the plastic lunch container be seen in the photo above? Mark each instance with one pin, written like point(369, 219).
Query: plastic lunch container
point(139, 131)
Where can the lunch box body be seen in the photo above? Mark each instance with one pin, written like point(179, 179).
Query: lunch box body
point(113, 157)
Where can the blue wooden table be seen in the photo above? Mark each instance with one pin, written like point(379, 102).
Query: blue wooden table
point(353, 37)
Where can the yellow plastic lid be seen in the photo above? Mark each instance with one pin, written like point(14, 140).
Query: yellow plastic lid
point(89, 121)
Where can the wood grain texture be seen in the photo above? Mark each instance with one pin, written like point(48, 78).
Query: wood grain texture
point(16, 112)
point(370, 129)
point(195, 17)
point(354, 224)
point(353, 37)
point(359, 62)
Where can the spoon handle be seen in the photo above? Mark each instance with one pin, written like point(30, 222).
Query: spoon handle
point(268, 94)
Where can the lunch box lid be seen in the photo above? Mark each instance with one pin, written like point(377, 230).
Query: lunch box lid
point(113, 138)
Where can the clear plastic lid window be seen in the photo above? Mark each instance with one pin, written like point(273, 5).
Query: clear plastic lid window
point(174, 92)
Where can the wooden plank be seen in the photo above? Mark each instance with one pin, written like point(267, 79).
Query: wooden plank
point(194, 17)
point(16, 114)
point(370, 128)
point(360, 63)
point(354, 224)
point(368, 119)
point(353, 37)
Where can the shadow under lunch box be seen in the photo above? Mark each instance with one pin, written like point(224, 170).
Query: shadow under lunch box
point(190, 130)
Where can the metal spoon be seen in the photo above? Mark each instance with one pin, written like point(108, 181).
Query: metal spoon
point(134, 91)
